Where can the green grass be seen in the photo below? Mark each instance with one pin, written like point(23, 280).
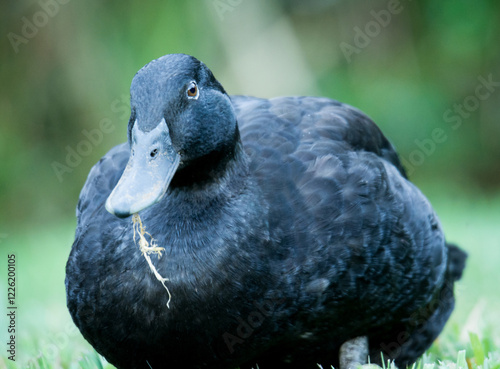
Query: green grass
point(47, 338)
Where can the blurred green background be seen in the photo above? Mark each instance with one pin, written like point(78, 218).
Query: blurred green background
point(427, 72)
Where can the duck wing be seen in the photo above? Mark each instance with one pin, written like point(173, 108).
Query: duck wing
point(363, 243)
point(284, 123)
point(101, 180)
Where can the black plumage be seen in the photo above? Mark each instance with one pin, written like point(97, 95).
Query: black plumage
point(289, 227)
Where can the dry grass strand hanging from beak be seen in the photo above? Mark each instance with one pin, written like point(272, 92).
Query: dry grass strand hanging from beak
point(149, 247)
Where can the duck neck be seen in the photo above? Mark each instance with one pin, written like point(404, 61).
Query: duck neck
point(229, 160)
point(217, 199)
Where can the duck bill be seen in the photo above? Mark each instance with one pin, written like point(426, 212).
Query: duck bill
point(152, 165)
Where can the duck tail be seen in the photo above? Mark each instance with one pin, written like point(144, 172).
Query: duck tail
point(435, 315)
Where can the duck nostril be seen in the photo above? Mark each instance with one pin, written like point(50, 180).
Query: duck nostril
point(153, 153)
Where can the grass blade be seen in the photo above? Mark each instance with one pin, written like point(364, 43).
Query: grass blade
point(477, 348)
point(461, 362)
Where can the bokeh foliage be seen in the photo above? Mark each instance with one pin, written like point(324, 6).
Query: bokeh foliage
point(71, 73)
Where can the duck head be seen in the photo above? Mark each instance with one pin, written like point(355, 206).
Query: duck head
point(181, 118)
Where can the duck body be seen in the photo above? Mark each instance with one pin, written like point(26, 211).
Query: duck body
point(297, 232)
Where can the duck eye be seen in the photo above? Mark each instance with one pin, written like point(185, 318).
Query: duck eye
point(153, 153)
point(192, 91)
